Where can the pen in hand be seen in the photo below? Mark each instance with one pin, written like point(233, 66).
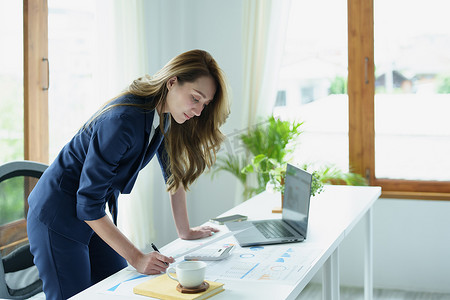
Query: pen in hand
point(156, 249)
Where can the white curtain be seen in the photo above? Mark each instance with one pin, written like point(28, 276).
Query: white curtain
point(121, 58)
point(135, 209)
point(264, 32)
point(264, 26)
point(121, 50)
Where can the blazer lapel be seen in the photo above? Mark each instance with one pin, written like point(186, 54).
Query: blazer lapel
point(152, 148)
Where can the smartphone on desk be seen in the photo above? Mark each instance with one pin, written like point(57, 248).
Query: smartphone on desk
point(232, 218)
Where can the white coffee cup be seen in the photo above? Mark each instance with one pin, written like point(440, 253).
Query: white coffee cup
point(190, 274)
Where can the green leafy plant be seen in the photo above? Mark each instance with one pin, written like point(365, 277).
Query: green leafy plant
point(273, 138)
point(276, 172)
point(444, 85)
point(338, 85)
point(331, 174)
point(267, 151)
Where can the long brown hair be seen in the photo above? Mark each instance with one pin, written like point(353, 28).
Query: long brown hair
point(191, 146)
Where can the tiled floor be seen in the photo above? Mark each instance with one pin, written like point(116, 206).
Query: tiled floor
point(313, 291)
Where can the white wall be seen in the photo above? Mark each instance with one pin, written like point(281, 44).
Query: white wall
point(411, 247)
point(411, 237)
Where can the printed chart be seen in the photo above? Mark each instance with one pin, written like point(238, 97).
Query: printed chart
point(124, 286)
point(287, 263)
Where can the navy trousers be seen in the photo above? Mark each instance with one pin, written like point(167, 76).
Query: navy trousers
point(67, 267)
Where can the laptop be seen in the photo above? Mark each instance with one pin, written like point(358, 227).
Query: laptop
point(293, 225)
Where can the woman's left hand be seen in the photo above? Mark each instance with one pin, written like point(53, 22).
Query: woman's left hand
point(199, 232)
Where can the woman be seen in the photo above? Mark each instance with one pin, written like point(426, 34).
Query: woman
point(175, 114)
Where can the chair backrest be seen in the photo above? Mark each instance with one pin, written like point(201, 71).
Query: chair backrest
point(18, 275)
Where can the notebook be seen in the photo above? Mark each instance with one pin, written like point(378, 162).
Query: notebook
point(293, 225)
point(162, 287)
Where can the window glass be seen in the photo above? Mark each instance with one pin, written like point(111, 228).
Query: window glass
point(14, 193)
point(312, 85)
point(71, 38)
point(11, 81)
point(12, 200)
point(412, 89)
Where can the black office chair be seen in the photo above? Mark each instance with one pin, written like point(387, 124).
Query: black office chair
point(19, 277)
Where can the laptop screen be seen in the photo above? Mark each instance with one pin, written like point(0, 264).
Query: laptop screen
point(297, 192)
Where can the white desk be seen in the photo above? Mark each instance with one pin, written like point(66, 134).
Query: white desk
point(333, 214)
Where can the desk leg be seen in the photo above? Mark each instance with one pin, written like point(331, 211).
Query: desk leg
point(368, 266)
point(330, 277)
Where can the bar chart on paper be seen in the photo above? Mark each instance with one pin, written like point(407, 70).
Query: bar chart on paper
point(265, 263)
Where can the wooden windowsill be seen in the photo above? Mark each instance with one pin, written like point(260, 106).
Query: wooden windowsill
point(415, 195)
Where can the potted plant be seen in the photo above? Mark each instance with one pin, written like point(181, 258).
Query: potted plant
point(327, 174)
point(276, 172)
point(273, 138)
point(267, 151)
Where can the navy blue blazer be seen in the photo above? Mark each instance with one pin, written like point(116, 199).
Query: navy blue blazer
point(99, 162)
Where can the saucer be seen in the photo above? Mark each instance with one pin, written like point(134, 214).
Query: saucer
point(201, 288)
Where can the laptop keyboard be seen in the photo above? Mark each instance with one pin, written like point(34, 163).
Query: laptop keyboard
point(273, 230)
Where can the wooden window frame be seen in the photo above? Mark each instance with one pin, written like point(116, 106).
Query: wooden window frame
point(36, 80)
point(361, 94)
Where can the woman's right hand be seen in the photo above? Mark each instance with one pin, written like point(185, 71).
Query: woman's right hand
point(152, 263)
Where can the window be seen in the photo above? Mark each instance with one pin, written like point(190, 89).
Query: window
point(11, 81)
point(72, 26)
point(385, 118)
point(411, 60)
point(412, 90)
point(312, 83)
point(24, 117)
point(87, 40)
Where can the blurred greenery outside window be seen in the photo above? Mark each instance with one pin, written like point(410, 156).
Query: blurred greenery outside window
point(11, 81)
point(11, 107)
point(11, 200)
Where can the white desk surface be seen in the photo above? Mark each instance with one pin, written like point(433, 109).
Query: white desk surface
point(333, 214)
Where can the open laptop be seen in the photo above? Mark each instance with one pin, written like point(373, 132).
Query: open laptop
point(293, 225)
